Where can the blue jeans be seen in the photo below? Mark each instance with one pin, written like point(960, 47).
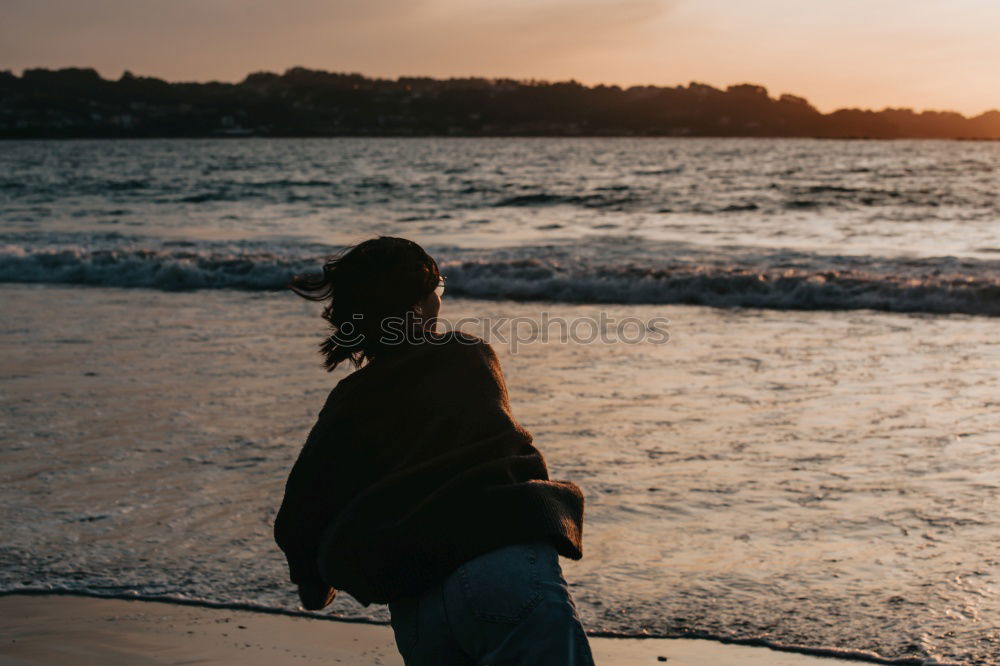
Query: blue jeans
point(510, 606)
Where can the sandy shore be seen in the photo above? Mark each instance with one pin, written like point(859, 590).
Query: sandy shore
point(820, 478)
point(78, 631)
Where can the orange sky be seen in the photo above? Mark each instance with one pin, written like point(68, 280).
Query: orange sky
point(938, 54)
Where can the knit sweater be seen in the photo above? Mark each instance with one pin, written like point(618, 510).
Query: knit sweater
point(415, 466)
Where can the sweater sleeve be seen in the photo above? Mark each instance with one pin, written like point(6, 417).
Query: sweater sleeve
point(308, 505)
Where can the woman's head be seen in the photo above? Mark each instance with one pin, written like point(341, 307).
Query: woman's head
point(381, 283)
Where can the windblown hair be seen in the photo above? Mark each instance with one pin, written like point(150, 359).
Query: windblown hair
point(377, 280)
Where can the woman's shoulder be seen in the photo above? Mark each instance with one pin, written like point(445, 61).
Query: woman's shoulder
point(460, 338)
point(462, 343)
point(452, 361)
point(448, 346)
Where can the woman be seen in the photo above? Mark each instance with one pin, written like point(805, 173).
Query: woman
point(418, 488)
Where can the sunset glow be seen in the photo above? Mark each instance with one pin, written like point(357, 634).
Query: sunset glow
point(852, 53)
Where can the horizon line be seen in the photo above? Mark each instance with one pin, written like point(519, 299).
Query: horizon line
point(543, 81)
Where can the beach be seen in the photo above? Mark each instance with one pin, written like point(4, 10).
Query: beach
point(149, 433)
point(783, 419)
point(71, 631)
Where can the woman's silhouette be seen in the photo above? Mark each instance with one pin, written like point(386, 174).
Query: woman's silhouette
point(418, 488)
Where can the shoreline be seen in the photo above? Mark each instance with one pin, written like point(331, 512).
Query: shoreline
point(287, 137)
point(56, 628)
point(806, 511)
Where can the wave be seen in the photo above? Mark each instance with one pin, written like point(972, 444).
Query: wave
point(595, 200)
point(720, 286)
point(940, 286)
point(166, 268)
point(666, 171)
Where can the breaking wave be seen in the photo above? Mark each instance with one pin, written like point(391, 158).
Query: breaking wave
point(936, 285)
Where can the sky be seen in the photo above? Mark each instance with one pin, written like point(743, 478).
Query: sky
point(922, 54)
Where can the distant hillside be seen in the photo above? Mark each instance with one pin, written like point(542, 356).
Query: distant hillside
point(301, 102)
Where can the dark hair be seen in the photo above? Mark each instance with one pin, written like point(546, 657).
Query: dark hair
point(373, 281)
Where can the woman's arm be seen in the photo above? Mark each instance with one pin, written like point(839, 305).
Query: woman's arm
point(308, 506)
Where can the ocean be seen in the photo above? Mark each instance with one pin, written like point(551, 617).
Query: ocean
point(808, 458)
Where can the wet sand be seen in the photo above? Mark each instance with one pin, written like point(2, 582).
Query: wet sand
point(75, 631)
point(821, 479)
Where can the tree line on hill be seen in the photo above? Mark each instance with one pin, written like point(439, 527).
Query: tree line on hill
point(78, 102)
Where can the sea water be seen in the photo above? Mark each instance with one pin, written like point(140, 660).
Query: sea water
point(809, 457)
